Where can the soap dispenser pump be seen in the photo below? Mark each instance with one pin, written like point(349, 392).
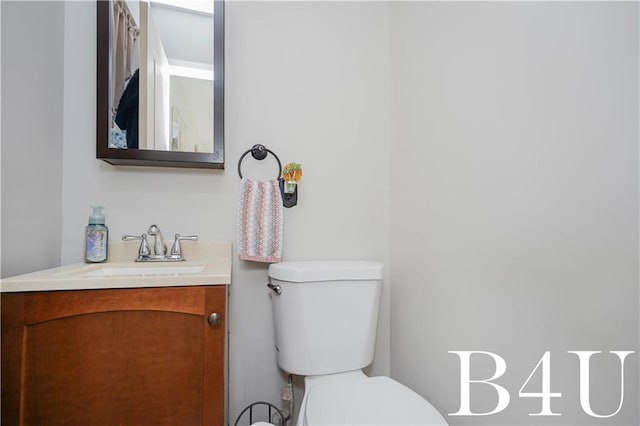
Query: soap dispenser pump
point(96, 237)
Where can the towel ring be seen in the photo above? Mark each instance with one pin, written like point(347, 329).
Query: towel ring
point(259, 152)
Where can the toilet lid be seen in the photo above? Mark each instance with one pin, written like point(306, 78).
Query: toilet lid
point(372, 401)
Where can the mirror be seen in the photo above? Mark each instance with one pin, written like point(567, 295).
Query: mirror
point(160, 83)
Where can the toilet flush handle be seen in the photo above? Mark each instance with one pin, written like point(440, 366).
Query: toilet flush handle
point(276, 288)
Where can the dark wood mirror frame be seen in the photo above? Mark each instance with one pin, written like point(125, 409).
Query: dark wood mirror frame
point(141, 157)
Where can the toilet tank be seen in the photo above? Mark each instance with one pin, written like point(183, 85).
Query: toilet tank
point(326, 315)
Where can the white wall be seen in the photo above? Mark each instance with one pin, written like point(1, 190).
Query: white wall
point(515, 130)
point(299, 79)
point(32, 73)
point(513, 139)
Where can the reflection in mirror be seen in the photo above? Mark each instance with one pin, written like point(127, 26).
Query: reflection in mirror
point(123, 87)
point(165, 90)
point(191, 109)
point(163, 75)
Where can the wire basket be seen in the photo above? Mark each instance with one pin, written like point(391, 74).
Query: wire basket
point(265, 408)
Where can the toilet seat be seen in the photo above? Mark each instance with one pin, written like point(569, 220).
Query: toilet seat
point(369, 401)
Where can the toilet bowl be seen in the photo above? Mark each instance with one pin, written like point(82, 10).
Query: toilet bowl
point(325, 319)
point(355, 399)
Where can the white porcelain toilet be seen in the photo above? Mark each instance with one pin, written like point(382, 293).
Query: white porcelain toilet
point(325, 317)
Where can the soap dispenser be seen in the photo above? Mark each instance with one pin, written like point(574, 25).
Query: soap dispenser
point(96, 237)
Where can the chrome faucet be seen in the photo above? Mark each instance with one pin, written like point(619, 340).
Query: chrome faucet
point(158, 251)
point(159, 248)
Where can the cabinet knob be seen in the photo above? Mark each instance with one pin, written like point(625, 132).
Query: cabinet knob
point(215, 319)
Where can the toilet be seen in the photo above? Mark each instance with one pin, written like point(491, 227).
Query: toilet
point(325, 318)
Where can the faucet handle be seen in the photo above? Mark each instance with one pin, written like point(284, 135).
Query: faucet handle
point(176, 250)
point(144, 246)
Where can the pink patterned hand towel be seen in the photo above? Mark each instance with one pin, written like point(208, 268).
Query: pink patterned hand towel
point(260, 221)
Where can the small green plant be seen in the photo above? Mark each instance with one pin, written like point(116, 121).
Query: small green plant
point(292, 172)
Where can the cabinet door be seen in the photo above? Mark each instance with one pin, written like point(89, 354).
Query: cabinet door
point(113, 357)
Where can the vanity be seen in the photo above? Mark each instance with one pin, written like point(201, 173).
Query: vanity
point(118, 343)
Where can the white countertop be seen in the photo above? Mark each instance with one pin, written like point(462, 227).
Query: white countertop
point(207, 263)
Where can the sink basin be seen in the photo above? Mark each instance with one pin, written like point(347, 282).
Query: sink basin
point(143, 271)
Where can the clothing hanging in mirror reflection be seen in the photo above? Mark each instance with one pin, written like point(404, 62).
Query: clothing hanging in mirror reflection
point(127, 113)
point(126, 32)
point(124, 81)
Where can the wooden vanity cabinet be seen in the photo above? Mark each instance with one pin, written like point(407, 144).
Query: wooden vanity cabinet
point(144, 356)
